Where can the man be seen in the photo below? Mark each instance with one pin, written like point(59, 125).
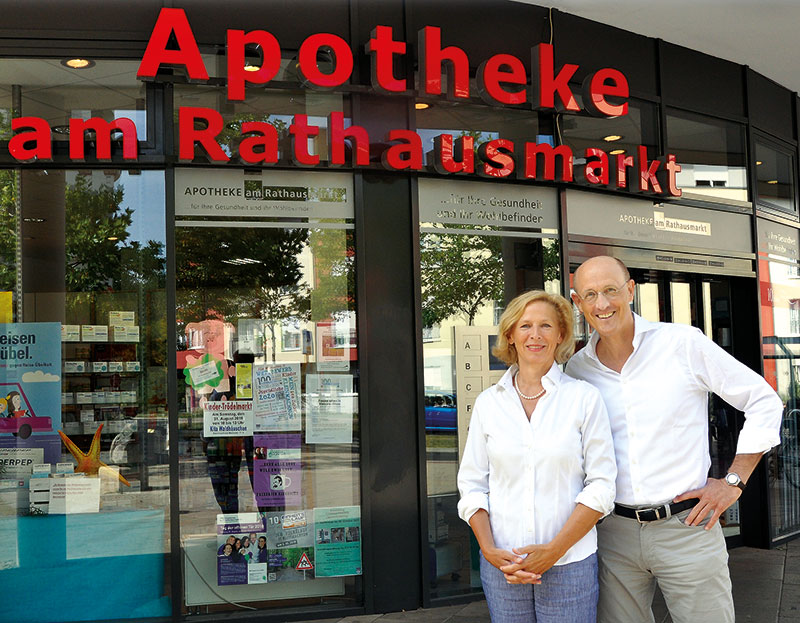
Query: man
point(655, 379)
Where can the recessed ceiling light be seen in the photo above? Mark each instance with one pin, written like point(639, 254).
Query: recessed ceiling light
point(772, 181)
point(615, 152)
point(113, 238)
point(421, 105)
point(78, 63)
point(611, 138)
point(759, 163)
point(251, 67)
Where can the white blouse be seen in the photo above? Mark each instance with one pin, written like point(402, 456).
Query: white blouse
point(529, 475)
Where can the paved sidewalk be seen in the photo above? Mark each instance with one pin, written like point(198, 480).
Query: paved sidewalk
point(766, 589)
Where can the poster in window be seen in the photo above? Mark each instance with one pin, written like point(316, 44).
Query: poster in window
point(337, 541)
point(276, 397)
point(30, 387)
point(277, 475)
point(290, 538)
point(239, 560)
point(331, 404)
point(333, 346)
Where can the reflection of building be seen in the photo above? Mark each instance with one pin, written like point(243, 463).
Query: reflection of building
point(329, 275)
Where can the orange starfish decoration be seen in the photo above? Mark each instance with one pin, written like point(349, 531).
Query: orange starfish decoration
point(89, 462)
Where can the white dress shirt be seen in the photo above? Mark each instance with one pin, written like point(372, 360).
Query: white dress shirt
point(529, 475)
point(658, 407)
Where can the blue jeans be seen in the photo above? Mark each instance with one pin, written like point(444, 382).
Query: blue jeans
point(567, 594)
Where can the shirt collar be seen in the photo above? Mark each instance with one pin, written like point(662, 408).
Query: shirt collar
point(640, 327)
point(551, 380)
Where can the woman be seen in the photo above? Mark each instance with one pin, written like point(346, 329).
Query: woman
point(538, 472)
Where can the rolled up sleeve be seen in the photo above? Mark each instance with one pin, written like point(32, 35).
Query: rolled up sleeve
point(599, 463)
point(473, 474)
point(744, 389)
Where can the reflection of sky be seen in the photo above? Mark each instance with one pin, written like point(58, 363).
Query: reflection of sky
point(144, 194)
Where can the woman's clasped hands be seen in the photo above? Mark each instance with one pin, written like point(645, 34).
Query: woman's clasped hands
point(528, 563)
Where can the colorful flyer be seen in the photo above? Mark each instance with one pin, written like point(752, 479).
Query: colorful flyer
point(241, 549)
point(228, 418)
point(333, 355)
point(331, 404)
point(244, 381)
point(337, 541)
point(276, 397)
point(290, 539)
point(277, 475)
point(30, 387)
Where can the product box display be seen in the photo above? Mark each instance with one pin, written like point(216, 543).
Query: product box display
point(116, 366)
point(99, 366)
point(126, 318)
point(67, 398)
point(94, 332)
point(74, 367)
point(127, 396)
point(133, 366)
point(70, 333)
point(124, 333)
point(98, 396)
point(71, 428)
point(83, 398)
point(87, 415)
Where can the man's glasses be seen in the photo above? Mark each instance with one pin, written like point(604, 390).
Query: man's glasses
point(610, 293)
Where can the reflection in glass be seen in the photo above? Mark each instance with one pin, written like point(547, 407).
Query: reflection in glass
point(712, 155)
point(277, 108)
point(780, 319)
point(109, 90)
point(89, 287)
point(465, 279)
point(775, 175)
point(266, 322)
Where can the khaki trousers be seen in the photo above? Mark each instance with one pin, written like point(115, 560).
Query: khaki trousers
point(689, 563)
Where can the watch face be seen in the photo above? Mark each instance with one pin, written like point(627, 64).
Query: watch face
point(732, 479)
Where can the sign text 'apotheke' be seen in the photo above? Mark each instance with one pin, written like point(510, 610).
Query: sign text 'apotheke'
point(501, 80)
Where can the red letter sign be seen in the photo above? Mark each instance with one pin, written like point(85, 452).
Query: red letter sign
point(343, 61)
point(40, 135)
point(172, 21)
point(595, 91)
point(548, 85)
point(431, 57)
point(102, 130)
point(270, 60)
point(382, 48)
point(490, 75)
point(188, 135)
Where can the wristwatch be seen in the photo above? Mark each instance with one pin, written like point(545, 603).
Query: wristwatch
point(734, 481)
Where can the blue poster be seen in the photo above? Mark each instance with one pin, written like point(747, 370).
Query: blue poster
point(30, 387)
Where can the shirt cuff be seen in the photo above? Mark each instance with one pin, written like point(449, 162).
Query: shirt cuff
point(471, 503)
point(597, 497)
point(756, 440)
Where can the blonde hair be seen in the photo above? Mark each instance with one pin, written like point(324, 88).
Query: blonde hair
point(507, 352)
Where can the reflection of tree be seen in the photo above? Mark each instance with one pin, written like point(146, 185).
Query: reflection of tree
point(240, 273)
point(334, 273)
point(8, 229)
point(460, 273)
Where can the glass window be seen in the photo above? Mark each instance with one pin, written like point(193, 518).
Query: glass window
point(483, 123)
point(781, 353)
point(48, 89)
point(712, 155)
point(268, 388)
point(84, 488)
point(614, 135)
point(470, 266)
point(775, 176)
point(277, 108)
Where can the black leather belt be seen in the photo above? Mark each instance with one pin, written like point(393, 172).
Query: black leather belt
point(655, 513)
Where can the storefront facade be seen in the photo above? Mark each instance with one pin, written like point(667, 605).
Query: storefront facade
point(260, 252)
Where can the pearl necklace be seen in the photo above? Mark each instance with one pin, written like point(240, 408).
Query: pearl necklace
point(521, 395)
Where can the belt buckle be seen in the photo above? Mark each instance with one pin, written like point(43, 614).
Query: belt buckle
point(644, 510)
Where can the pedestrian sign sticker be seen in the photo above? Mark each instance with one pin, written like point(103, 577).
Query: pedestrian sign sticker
point(304, 564)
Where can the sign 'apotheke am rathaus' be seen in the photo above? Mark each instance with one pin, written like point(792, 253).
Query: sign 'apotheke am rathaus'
point(501, 80)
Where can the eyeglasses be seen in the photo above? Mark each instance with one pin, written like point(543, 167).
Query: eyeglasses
point(610, 293)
